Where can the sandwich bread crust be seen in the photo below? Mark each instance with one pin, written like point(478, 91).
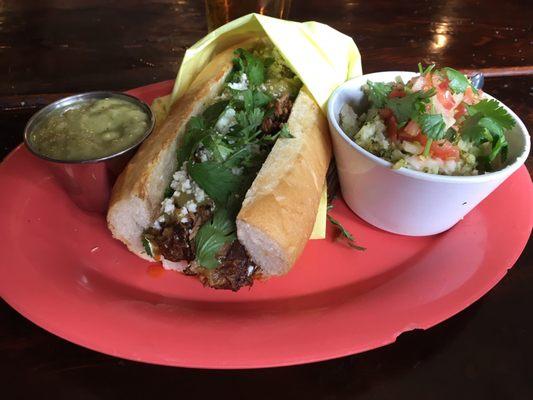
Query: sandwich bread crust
point(279, 210)
point(138, 192)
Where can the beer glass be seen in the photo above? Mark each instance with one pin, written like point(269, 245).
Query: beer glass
point(220, 12)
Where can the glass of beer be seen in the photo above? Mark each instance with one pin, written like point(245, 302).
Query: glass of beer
point(220, 12)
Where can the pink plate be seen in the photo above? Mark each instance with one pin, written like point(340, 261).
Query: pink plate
point(61, 269)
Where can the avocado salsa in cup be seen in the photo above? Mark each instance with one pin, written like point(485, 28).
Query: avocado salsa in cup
point(86, 140)
point(88, 128)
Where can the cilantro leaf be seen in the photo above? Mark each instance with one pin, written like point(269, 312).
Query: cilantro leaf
point(498, 146)
point(433, 126)
point(284, 132)
point(471, 130)
point(256, 71)
point(210, 238)
point(147, 246)
point(261, 99)
point(378, 93)
point(255, 118)
point(491, 125)
point(212, 113)
point(250, 156)
point(219, 150)
point(492, 109)
point(216, 180)
point(458, 82)
point(248, 97)
point(238, 63)
point(251, 65)
point(255, 99)
point(343, 233)
point(249, 122)
point(486, 119)
point(168, 192)
point(195, 132)
point(409, 106)
point(486, 122)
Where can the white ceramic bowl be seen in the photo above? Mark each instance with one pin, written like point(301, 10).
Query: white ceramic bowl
point(405, 201)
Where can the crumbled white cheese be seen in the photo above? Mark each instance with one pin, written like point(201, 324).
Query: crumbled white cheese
point(157, 223)
point(242, 84)
point(191, 206)
point(199, 194)
point(236, 170)
point(204, 155)
point(184, 220)
point(186, 186)
point(168, 205)
point(179, 178)
point(226, 121)
point(181, 183)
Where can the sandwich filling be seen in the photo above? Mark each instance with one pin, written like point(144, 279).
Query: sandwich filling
point(219, 157)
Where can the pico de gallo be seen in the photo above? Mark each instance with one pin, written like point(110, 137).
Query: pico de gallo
point(436, 123)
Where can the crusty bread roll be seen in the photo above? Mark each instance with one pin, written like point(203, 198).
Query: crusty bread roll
point(138, 192)
point(279, 209)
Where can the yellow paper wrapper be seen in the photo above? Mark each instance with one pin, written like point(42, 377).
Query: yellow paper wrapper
point(322, 57)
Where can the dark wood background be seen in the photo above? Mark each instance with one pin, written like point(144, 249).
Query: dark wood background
point(55, 47)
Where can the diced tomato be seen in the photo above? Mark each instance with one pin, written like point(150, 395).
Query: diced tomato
point(390, 122)
point(470, 97)
point(412, 129)
point(444, 85)
point(392, 128)
point(420, 138)
point(445, 98)
point(435, 80)
point(385, 113)
point(428, 81)
point(460, 110)
point(444, 150)
point(396, 93)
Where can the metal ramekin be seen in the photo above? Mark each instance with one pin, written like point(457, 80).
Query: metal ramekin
point(88, 182)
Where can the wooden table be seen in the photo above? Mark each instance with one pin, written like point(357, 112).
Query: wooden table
point(52, 48)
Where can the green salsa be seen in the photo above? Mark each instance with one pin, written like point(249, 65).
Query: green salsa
point(90, 130)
